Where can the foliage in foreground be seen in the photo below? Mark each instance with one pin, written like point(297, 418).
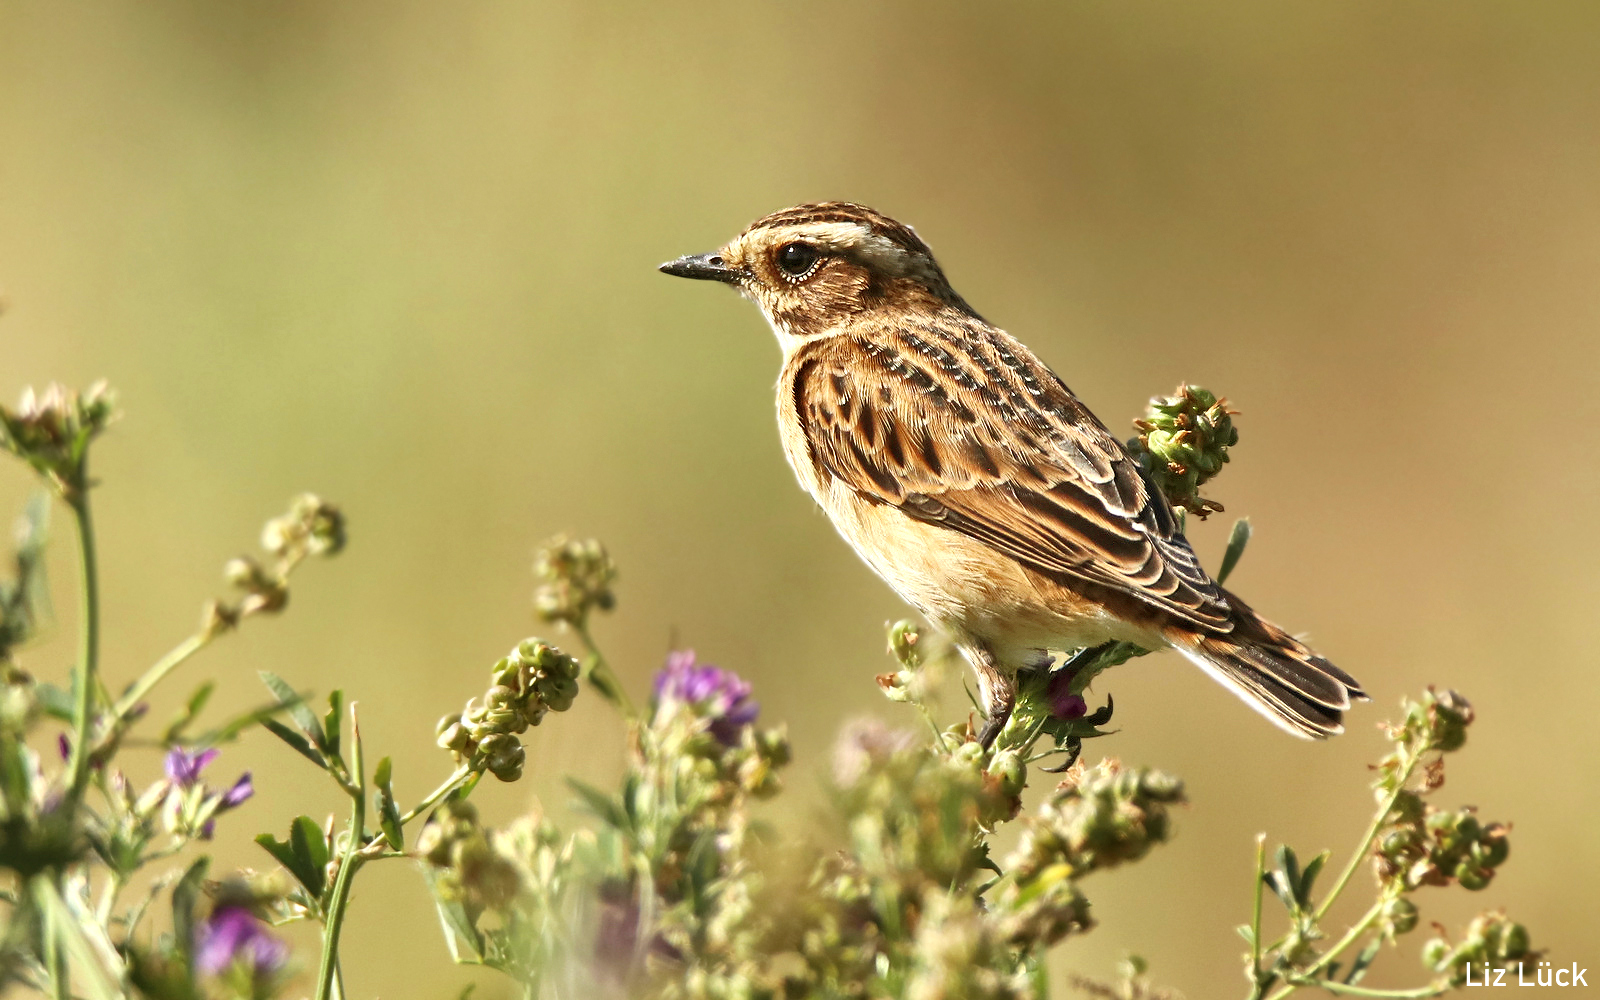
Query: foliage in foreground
point(676, 888)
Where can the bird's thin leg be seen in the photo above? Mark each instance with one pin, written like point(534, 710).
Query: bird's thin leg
point(999, 690)
point(999, 715)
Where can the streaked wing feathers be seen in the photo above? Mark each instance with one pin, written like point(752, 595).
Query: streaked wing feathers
point(975, 434)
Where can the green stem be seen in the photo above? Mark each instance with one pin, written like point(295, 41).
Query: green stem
point(1307, 977)
point(327, 970)
point(450, 784)
point(598, 665)
point(1258, 981)
point(157, 673)
point(1371, 835)
point(1350, 990)
point(85, 677)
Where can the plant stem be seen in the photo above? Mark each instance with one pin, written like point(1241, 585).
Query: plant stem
point(157, 673)
point(1372, 833)
point(1257, 980)
point(1307, 977)
point(450, 784)
point(327, 970)
point(598, 665)
point(88, 643)
point(1349, 990)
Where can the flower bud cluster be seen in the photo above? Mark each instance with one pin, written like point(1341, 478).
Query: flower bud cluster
point(312, 527)
point(1436, 723)
point(576, 577)
point(1101, 816)
point(1429, 846)
point(1491, 939)
point(472, 870)
point(902, 684)
point(960, 953)
point(536, 678)
point(1183, 442)
point(917, 813)
point(51, 431)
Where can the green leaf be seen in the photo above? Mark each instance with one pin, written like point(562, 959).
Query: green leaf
point(1280, 888)
point(1237, 540)
point(304, 854)
point(230, 730)
point(1247, 933)
point(56, 702)
point(1289, 867)
point(191, 710)
point(310, 844)
point(295, 740)
point(603, 806)
point(184, 896)
point(333, 720)
point(298, 710)
point(453, 917)
point(388, 810)
point(1358, 968)
point(1308, 878)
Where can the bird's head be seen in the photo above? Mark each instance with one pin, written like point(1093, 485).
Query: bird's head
point(811, 268)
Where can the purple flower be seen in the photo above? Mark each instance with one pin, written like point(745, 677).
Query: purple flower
point(183, 768)
point(720, 695)
point(1063, 703)
point(241, 790)
point(233, 934)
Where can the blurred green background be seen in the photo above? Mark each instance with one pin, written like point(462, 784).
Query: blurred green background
point(403, 254)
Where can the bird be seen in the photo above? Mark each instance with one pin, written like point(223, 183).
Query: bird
point(969, 477)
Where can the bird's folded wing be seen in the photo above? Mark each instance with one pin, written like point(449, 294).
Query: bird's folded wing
point(979, 437)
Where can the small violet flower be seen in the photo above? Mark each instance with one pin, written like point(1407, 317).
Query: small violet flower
point(720, 695)
point(183, 767)
point(1063, 703)
point(234, 934)
point(183, 770)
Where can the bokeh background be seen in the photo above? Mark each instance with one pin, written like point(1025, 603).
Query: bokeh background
point(403, 254)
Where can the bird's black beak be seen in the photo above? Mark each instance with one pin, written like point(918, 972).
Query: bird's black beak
point(705, 266)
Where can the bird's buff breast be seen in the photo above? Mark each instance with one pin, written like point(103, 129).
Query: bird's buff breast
point(957, 583)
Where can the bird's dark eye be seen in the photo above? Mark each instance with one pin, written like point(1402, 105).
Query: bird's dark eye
point(797, 259)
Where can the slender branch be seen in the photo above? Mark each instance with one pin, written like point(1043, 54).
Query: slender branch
point(1372, 833)
point(598, 665)
point(157, 673)
point(88, 643)
point(1258, 981)
point(327, 969)
point(1351, 990)
point(450, 784)
point(1307, 977)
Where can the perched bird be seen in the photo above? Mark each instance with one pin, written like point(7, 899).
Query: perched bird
point(973, 481)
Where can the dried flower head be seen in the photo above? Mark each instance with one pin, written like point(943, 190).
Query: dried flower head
point(51, 431)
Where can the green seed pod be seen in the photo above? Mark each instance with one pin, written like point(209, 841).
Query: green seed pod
point(1009, 768)
point(1408, 808)
point(1472, 877)
point(1511, 942)
point(1494, 846)
point(1400, 915)
point(503, 756)
point(1436, 954)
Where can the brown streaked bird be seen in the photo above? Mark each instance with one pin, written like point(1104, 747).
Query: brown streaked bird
point(973, 481)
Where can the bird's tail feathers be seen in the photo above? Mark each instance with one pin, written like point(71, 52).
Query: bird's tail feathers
point(1275, 673)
